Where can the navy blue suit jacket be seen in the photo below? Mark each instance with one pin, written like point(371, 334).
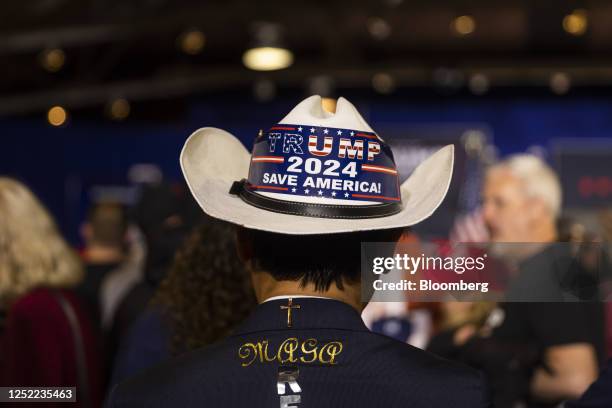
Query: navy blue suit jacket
point(327, 358)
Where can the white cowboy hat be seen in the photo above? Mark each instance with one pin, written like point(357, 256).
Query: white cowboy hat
point(275, 194)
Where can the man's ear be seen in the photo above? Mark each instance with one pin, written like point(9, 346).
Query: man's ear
point(244, 245)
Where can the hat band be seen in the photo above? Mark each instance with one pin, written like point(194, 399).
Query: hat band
point(240, 188)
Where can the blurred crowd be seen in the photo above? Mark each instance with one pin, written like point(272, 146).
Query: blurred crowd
point(159, 278)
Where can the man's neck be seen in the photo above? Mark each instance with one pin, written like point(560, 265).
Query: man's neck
point(535, 241)
point(99, 254)
point(545, 232)
point(266, 287)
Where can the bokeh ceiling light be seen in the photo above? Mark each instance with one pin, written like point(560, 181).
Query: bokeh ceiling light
point(267, 52)
point(560, 83)
point(57, 115)
point(378, 28)
point(192, 42)
point(576, 23)
point(53, 59)
point(119, 109)
point(383, 83)
point(463, 25)
point(267, 58)
point(479, 84)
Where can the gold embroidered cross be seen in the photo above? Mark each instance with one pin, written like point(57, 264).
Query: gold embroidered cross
point(288, 308)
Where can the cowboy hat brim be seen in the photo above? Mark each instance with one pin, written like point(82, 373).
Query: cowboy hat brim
point(212, 159)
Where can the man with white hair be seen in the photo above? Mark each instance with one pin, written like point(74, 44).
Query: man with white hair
point(521, 204)
point(522, 200)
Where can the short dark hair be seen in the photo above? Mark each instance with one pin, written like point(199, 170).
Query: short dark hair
point(108, 221)
point(313, 259)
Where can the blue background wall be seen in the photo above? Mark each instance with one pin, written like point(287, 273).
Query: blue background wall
point(51, 160)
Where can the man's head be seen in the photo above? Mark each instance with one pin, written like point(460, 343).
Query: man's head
point(308, 264)
point(165, 215)
point(521, 200)
point(106, 226)
point(311, 181)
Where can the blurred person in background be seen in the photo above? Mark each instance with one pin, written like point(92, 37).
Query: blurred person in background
point(521, 203)
point(598, 394)
point(164, 216)
point(48, 338)
point(206, 294)
point(114, 257)
point(465, 335)
point(458, 322)
point(605, 220)
point(401, 320)
point(590, 277)
point(104, 234)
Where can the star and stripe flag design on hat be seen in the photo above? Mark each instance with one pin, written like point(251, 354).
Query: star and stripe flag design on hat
point(324, 162)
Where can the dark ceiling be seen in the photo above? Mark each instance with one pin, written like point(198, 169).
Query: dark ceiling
point(129, 48)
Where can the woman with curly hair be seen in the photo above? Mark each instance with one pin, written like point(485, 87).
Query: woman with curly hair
point(48, 339)
point(206, 294)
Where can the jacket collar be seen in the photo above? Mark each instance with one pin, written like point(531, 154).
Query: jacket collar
point(313, 313)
